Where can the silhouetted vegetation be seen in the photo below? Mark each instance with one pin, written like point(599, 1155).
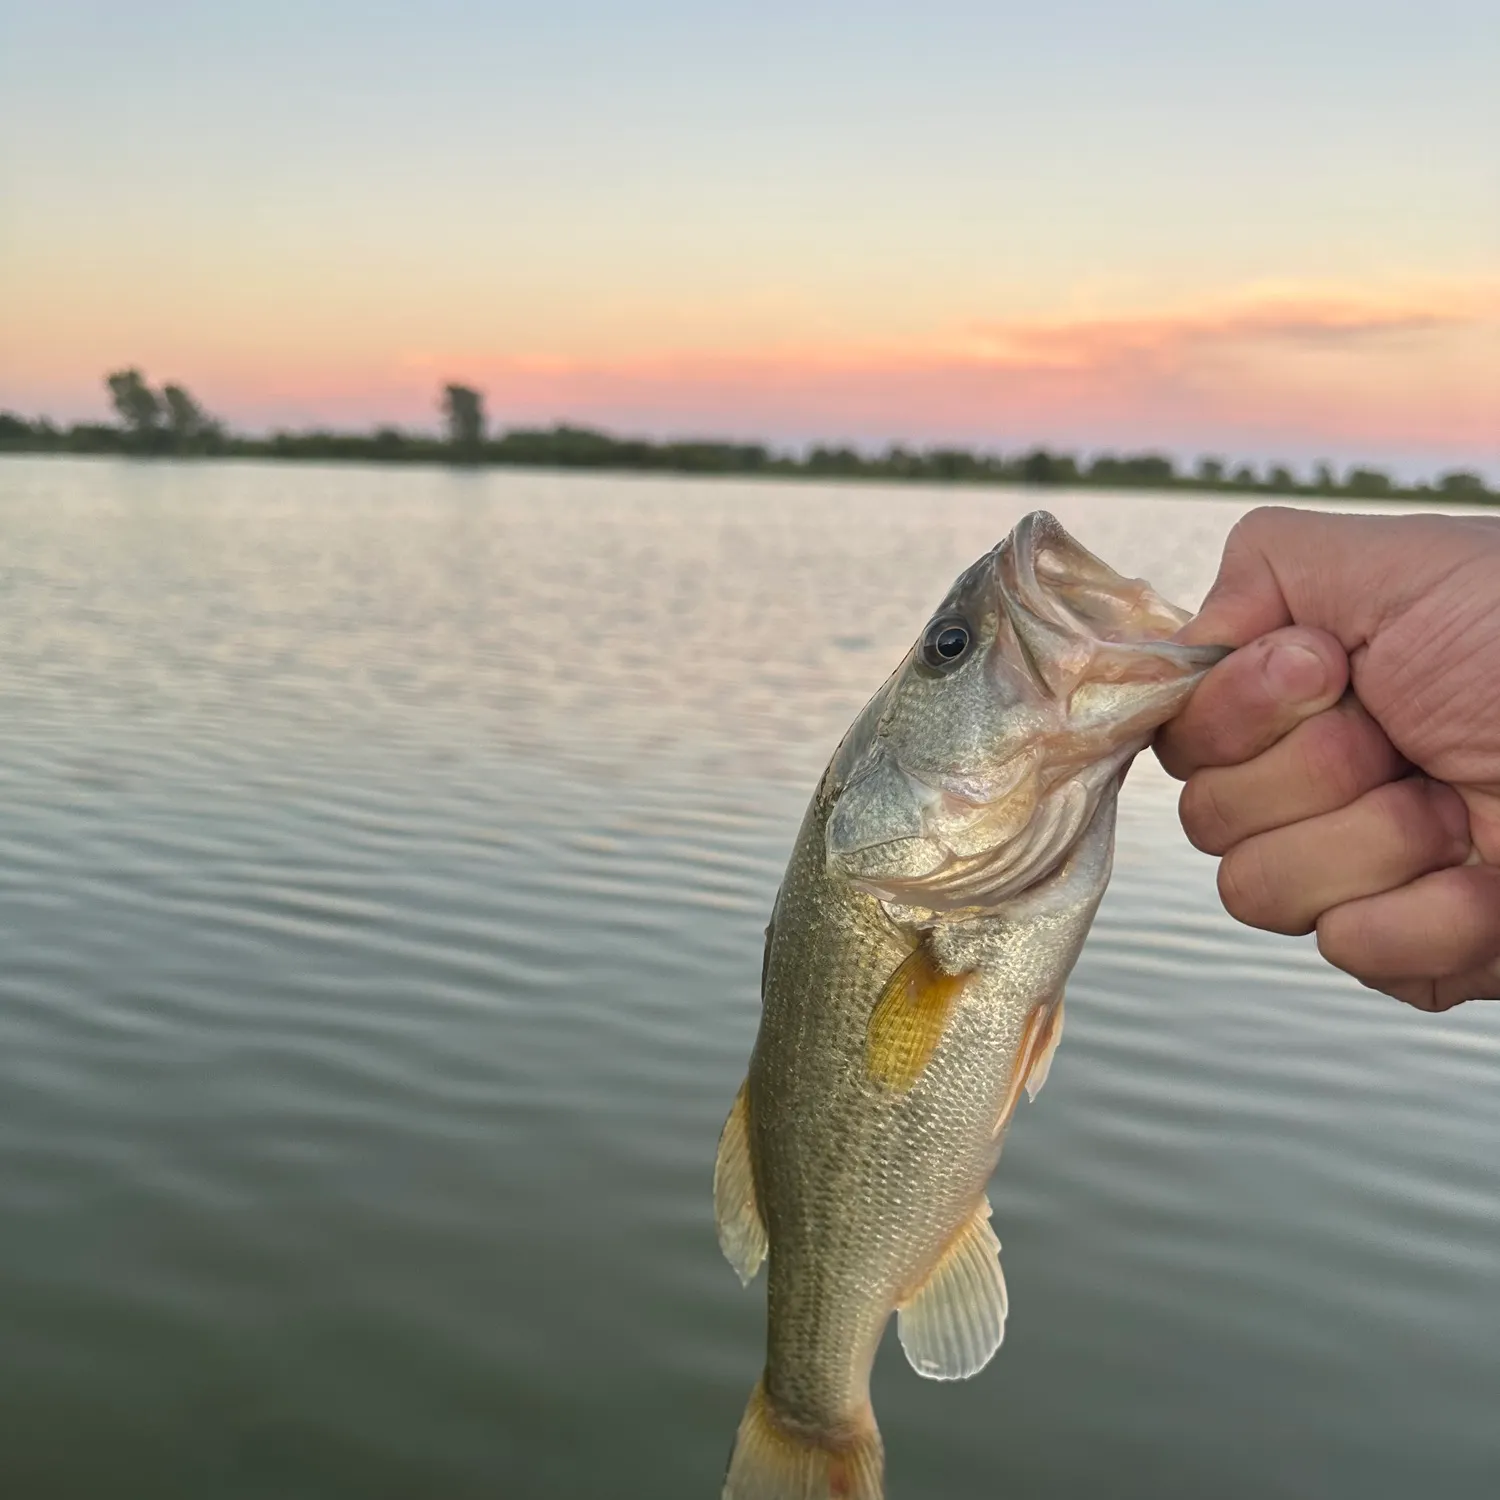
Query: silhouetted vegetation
point(138, 405)
point(463, 415)
point(166, 422)
point(171, 423)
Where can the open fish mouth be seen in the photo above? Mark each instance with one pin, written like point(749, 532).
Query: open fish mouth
point(1073, 618)
point(1078, 671)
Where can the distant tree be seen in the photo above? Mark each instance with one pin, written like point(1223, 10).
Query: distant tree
point(1041, 467)
point(1133, 469)
point(900, 461)
point(1462, 484)
point(952, 463)
point(90, 437)
point(1211, 470)
point(843, 462)
point(186, 420)
point(138, 406)
point(1244, 476)
point(1369, 482)
point(463, 415)
point(389, 443)
point(1325, 479)
point(1281, 479)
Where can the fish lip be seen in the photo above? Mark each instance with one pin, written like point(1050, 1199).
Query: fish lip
point(1037, 613)
point(1199, 658)
point(1021, 601)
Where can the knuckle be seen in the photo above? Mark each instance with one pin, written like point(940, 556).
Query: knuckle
point(1207, 821)
point(1342, 940)
point(1420, 994)
point(1464, 925)
point(1474, 908)
point(1176, 746)
point(1250, 526)
point(1257, 528)
point(1252, 894)
point(1416, 836)
point(1231, 718)
point(1339, 756)
point(1170, 757)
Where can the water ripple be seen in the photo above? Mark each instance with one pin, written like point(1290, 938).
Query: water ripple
point(376, 976)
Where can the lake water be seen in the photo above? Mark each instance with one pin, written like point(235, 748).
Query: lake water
point(383, 862)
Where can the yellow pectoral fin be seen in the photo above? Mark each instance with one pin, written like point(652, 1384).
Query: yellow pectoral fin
point(742, 1231)
point(908, 1020)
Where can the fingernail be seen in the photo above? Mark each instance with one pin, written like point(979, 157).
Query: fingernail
point(1296, 674)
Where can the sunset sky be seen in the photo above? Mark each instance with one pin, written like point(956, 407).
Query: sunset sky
point(1260, 229)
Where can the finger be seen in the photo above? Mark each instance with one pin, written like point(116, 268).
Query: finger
point(1246, 599)
point(1442, 994)
point(1252, 698)
point(1286, 879)
point(1325, 763)
point(1338, 573)
point(1440, 926)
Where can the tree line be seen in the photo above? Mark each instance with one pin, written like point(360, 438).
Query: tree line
point(171, 422)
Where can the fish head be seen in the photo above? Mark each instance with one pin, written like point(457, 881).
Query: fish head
point(985, 756)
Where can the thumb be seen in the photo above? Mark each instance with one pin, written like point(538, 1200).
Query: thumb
point(1246, 600)
point(1343, 574)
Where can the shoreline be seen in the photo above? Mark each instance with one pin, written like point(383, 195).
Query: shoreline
point(170, 423)
point(706, 461)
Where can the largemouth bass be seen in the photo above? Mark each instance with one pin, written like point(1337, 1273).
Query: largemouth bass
point(939, 892)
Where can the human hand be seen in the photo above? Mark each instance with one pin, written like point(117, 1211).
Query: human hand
point(1370, 816)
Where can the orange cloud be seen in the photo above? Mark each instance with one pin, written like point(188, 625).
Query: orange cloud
point(1268, 318)
point(1278, 369)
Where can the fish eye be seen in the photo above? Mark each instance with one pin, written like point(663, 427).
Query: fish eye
point(946, 642)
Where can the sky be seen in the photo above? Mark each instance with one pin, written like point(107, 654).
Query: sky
point(1256, 228)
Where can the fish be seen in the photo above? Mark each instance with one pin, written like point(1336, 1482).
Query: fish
point(937, 896)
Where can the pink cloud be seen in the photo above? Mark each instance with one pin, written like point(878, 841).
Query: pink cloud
point(1299, 373)
point(1411, 375)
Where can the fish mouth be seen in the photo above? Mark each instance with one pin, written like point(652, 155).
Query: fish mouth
point(1073, 619)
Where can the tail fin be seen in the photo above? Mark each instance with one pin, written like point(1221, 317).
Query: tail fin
point(771, 1461)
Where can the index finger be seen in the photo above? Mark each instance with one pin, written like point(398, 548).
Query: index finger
point(1253, 698)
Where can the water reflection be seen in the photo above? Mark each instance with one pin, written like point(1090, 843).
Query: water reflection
point(383, 857)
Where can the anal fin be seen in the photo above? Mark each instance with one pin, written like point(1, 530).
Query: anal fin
point(742, 1231)
point(952, 1327)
